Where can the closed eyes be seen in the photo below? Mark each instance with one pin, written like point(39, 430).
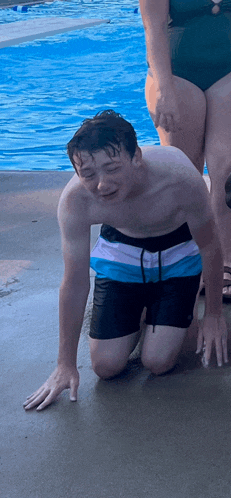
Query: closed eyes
point(112, 169)
point(88, 176)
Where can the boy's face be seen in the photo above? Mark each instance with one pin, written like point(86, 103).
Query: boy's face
point(107, 178)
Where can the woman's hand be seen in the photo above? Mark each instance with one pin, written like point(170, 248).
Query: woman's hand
point(213, 329)
point(166, 113)
point(62, 378)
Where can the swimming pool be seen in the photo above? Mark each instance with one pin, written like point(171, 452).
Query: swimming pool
point(49, 86)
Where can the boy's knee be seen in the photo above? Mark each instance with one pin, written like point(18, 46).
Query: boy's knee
point(106, 368)
point(158, 366)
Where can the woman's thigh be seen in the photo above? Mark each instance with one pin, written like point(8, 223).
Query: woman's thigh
point(192, 108)
point(218, 131)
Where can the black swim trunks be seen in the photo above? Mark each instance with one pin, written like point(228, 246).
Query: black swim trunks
point(159, 273)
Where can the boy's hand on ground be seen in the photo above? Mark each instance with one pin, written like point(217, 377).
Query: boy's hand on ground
point(62, 378)
point(213, 329)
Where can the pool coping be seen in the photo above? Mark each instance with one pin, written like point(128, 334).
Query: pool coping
point(28, 30)
point(11, 4)
point(67, 172)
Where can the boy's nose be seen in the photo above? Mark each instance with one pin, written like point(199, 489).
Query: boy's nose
point(103, 184)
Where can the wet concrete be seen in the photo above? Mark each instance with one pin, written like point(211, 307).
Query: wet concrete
point(135, 436)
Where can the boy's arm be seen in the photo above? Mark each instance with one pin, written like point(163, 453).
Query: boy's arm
point(202, 226)
point(74, 291)
point(75, 285)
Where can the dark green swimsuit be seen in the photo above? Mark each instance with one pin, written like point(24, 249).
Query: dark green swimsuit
point(200, 41)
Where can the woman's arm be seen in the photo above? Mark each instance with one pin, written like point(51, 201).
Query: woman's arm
point(155, 20)
point(162, 101)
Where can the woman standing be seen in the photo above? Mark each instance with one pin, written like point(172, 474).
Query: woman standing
point(188, 91)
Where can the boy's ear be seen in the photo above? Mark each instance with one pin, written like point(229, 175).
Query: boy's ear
point(138, 155)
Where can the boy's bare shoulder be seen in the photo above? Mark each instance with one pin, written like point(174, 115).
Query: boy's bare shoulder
point(74, 202)
point(180, 175)
point(166, 156)
point(173, 162)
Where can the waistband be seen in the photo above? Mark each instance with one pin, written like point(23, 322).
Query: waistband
point(151, 244)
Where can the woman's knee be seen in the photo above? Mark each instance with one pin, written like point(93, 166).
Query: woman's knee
point(219, 167)
point(218, 162)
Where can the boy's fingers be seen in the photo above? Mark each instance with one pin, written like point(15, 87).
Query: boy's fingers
point(73, 389)
point(207, 353)
point(225, 348)
point(51, 397)
point(219, 352)
point(35, 393)
point(33, 396)
point(199, 342)
point(37, 400)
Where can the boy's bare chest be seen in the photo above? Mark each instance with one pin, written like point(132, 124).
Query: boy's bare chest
point(148, 217)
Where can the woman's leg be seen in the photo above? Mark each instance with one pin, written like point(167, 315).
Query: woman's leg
point(218, 159)
point(192, 107)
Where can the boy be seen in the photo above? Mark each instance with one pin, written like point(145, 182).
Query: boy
point(158, 234)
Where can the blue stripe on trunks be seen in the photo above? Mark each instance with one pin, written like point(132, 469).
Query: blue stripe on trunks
point(122, 262)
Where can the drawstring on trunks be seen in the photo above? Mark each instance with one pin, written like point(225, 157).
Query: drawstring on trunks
point(142, 266)
point(160, 268)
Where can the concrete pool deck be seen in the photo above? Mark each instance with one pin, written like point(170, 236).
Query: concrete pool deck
point(135, 436)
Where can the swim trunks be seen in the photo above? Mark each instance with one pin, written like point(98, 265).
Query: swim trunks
point(159, 273)
point(200, 41)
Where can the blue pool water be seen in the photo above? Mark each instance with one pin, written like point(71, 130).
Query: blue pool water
point(49, 86)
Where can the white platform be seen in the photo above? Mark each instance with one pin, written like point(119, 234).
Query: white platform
point(22, 31)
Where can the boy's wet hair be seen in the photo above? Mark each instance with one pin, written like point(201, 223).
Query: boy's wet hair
point(107, 131)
